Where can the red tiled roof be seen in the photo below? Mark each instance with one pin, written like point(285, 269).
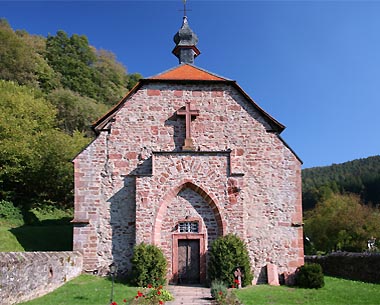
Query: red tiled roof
point(187, 72)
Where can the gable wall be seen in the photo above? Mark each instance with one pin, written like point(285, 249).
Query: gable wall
point(266, 205)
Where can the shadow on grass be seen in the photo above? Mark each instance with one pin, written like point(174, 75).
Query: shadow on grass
point(47, 235)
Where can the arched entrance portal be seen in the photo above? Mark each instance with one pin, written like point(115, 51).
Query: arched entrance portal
point(190, 221)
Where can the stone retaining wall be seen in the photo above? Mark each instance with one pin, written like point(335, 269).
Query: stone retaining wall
point(27, 275)
point(353, 266)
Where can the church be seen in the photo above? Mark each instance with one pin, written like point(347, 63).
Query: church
point(185, 157)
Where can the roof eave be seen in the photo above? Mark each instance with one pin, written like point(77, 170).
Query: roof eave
point(100, 123)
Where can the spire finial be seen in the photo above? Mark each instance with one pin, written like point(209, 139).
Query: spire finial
point(184, 8)
point(186, 41)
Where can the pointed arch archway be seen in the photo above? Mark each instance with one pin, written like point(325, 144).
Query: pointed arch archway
point(186, 183)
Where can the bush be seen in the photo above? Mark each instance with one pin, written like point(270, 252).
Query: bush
point(9, 212)
point(310, 276)
point(222, 295)
point(227, 253)
point(148, 266)
point(218, 288)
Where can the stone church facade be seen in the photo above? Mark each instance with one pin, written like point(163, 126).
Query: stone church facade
point(185, 157)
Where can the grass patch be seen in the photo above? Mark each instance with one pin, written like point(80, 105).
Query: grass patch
point(52, 231)
point(86, 290)
point(9, 242)
point(44, 238)
point(336, 292)
point(94, 290)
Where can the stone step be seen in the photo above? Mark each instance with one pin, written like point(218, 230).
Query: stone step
point(190, 295)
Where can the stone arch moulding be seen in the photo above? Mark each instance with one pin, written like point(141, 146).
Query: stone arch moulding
point(186, 183)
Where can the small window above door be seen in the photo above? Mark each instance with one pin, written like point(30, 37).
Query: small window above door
point(188, 227)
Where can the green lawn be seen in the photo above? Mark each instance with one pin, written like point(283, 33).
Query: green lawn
point(86, 290)
point(8, 241)
point(52, 231)
point(93, 290)
point(335, 292)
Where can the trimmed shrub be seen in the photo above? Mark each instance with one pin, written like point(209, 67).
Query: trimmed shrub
point(226, 254)
point(310, 276)
point(148, 266)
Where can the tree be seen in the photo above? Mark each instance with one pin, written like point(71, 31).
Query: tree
point(133, 79)
point(47, 78)
point(75, 112)
point(35, 156)
point(89, 72)
point(73, 58)
point(17, 60)
point(342, 222)
point(112, 77)
point(361, 177)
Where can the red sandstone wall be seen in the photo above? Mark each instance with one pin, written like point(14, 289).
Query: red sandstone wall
point(115, 184)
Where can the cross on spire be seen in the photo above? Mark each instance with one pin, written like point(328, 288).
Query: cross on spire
point(188, 113)
point(184, 8)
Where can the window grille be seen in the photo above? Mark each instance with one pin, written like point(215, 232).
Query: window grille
point(188, 227)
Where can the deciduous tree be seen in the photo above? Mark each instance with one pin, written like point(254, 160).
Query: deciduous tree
point(342, 222)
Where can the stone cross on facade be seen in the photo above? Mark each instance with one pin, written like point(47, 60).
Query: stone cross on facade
point(188, 113)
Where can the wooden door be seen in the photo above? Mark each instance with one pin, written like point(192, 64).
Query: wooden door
point(188, 261)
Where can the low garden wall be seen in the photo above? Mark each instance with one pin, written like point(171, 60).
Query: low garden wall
point(27, 275)
point(363, 267)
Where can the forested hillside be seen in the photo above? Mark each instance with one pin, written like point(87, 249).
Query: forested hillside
point(360, 177)
point(341, 206)
point(51, 90)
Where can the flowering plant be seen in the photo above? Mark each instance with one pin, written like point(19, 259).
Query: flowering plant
point(235, 284)
point(150, 296)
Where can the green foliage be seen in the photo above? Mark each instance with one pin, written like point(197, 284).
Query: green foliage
point(9, 211)
point(152, 296)
point(361, 177)
point(112, 77)
point(50, 212)
point(73, 85)
point(75, 112)
point(24, 119)
point(148, 266)
point(218, 289)
point(35, 156)
point(227, 253)
point(133, 79)
point(17, 60)
point(341, 222)
point(310, 276)
point(60, 61)
point(85, 70)
point(72, 57)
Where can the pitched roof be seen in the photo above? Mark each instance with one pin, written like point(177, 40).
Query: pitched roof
point(187, 72)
